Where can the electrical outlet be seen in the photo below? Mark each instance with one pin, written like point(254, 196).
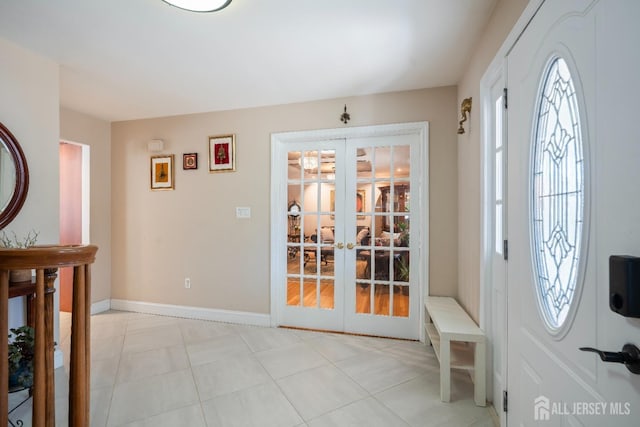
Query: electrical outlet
point(187, 283)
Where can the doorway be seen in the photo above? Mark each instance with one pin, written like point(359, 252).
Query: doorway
point(351, 224)
point(74, 208)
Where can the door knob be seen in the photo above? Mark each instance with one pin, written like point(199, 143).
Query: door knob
point(340, 245)
point(350, 246)
point(629, 356)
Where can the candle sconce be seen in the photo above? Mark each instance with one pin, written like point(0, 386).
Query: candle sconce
point(465, 109)
point(345, 117)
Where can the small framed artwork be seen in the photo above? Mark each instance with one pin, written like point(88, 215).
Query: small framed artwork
point(190, 161)
point(162, 177)
point(222, 153)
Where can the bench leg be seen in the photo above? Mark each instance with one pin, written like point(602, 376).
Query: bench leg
point(445, 369)
point(480, 380)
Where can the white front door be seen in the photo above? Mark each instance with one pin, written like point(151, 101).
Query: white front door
point(573, 174)
point(358, 221)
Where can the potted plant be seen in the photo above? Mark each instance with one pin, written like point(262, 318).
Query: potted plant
point(404, 234)
point(21, 350)
point(14, 242)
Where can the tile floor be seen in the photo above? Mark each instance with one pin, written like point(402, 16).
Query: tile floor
point(161, 371)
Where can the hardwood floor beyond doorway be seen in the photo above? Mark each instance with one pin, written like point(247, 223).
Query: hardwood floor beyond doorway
point(381, 298)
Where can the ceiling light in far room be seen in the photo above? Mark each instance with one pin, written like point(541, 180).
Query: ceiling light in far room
point(199, 5)
point(309, 163)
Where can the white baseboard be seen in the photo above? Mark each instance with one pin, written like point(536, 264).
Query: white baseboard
point(58, 358)
point(201, 313)
point(100, 306)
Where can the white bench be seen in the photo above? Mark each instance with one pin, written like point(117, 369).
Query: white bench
point(450, 329)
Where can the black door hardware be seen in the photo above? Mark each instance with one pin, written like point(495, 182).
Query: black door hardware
point(629, 356)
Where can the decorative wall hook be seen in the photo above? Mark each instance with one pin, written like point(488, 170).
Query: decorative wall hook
point(465, 108)
point(345, 117)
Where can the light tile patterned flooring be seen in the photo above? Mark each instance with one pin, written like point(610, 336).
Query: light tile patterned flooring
point(162, 371)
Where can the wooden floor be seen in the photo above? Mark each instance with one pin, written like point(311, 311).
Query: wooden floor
point(371, 297)
point(381, 298)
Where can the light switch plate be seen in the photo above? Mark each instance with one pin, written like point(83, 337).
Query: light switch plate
point(243, 212)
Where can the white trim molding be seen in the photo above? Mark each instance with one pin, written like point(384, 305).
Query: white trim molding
point(58, 358)
point(200, 313)
point(100, 306)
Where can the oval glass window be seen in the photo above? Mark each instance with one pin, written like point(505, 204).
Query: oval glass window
point(557, 195)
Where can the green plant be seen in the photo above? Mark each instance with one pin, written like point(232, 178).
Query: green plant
point(402, 268)
point(29, 240)
point(404, 233)
point(21, 351)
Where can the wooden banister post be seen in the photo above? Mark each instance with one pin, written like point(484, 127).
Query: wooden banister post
point(46, 260)
point(4, 348)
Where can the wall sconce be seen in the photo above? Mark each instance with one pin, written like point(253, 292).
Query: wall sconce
point(345, 117)
point(465, 108)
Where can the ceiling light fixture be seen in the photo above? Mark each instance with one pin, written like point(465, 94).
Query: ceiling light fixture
point(199, 5)
point(309, 163)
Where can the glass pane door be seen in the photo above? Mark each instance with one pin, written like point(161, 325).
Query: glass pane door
point(352, 215)
point(313, 287)
point(378, 223)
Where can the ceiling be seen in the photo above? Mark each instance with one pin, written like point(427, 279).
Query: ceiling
point(132, 59)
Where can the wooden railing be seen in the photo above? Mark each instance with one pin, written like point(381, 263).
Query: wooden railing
point(45, 260)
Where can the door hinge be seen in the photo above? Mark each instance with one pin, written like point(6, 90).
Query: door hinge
point(505, 401)
point(505, 249)
point(505, 98)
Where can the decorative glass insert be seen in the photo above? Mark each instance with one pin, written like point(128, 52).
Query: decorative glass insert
point(557, 194)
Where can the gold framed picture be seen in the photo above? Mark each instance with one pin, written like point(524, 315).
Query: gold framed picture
point(222, 153)
point(162, 177)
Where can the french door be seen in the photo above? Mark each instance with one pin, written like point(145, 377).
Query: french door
point(349, 232)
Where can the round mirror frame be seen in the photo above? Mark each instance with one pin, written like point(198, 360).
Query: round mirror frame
point(22, 177)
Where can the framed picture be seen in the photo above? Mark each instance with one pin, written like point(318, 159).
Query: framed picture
point(190, 161)
point(222, 153)
point(162, 172)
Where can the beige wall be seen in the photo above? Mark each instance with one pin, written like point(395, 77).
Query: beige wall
point(83, 129)
point(29, 109)
point(504, 16)
point(161, 237)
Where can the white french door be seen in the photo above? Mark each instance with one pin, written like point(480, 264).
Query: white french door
point(573, 175)
point(315, 265)
point(348, 256)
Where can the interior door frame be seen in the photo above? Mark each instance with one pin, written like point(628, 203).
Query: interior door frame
point(279, 143)
point(85, 233)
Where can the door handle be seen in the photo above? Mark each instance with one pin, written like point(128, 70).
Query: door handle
point(350, 246)
point(340, 245)
point(629, 356)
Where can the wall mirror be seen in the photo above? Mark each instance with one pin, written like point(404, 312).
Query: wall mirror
point(14, 177)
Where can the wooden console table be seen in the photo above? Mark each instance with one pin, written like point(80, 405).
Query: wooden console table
point(46, 260)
